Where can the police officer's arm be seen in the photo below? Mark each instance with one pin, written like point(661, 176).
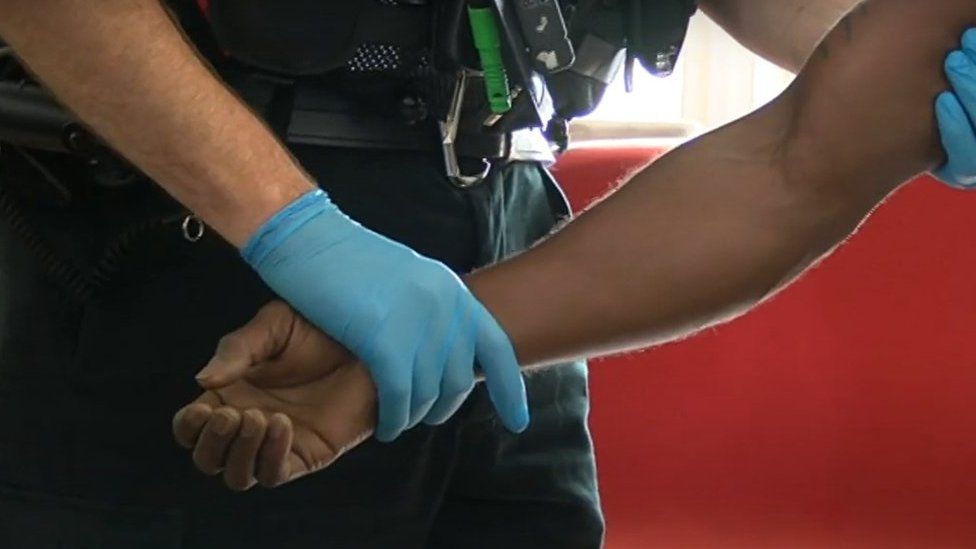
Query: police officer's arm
point(696, 238)
point(783, 31)
point(125, 69)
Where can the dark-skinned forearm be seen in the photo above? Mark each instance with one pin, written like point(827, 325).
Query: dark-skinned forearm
point(125, 69)
point(782, 31)
point(725, 221)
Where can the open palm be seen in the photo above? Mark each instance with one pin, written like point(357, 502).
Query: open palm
point(283, 400)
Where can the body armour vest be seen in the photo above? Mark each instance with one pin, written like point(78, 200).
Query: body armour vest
point(313, 37)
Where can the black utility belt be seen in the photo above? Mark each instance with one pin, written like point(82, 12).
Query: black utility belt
point(301, 115)
point(309, 113)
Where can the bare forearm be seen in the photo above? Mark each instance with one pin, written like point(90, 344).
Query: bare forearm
point(782, 31)
point(696, 238)
point(127, 71)
point(723, 222)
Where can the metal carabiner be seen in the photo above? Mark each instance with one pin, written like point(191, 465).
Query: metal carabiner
point(449, 130)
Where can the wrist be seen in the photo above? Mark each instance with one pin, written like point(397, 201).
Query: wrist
point(238, 217)
point(526, 297)
point(310, 208)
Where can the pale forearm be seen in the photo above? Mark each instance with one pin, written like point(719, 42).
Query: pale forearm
point(125, 69)
point(725, 221)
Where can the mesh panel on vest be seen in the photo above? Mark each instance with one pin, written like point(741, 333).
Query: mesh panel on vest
point(375, 58)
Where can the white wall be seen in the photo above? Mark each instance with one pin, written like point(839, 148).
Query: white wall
point(716, 81)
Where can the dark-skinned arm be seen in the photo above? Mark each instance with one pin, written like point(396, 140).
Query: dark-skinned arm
point(783, 31)
point(727, 220)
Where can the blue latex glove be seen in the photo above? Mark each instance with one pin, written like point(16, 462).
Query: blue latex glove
point(956, 113)
point(408, 318)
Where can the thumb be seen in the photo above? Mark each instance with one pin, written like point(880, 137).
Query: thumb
point(261, 339)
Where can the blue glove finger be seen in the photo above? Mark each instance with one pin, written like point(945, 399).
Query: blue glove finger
point(393, 392)
point(494, 352)
point(954, 112)
point(428, 369)
point(959, 141)
point(969, 43)
point(390, 367)
point(458, 379)
point(960, 69)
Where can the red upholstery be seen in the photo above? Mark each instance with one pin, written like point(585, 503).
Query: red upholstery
point(841, 414)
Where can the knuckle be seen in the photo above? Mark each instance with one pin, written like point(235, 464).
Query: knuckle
point(229, 342)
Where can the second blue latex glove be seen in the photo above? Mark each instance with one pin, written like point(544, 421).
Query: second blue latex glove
point(956, 114)
point(410, 319)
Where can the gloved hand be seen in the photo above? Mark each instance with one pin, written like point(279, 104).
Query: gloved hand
point(956, 114)
point(408, 318)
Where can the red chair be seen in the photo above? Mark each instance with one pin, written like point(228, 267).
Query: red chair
point(841, 414)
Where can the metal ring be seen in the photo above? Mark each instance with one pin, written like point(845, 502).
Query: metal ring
point(193, 229)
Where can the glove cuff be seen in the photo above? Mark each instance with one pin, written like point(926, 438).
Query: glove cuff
point(282, 225)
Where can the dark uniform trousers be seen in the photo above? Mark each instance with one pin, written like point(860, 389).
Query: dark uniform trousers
point(89, 383)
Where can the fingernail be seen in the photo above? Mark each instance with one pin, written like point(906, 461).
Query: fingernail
point(221, 424)
point(207, 372)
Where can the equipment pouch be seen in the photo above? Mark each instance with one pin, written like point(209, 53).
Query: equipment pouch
point(603, 32)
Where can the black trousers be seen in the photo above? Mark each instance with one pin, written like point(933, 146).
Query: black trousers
point(90, 378)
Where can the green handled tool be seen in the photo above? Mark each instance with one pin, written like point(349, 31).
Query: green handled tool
point(484, 29)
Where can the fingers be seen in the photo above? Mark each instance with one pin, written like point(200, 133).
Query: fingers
point(249, 448)
point(506, 387)
point(263, 337)
point(211, 448)
point(961, 71)
point(392, 369)
point(432, 362)
point(393, 389)
point(272, 467)
point(956, 114)
point(243, 453)
point(969, 43)
point(959, 141)
point(458, 377)
point(189, 422)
